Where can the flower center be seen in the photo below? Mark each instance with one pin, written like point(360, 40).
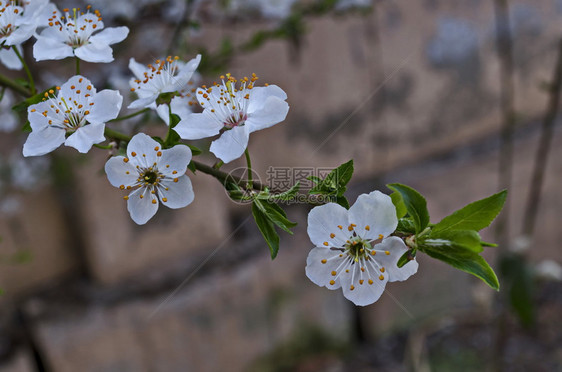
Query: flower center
point(151, 176)
point(357, 248)
point(78, 26)
point(8, 19)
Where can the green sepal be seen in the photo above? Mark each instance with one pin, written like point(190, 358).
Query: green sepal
point(415, 205)
point(460, 257)
point(399, 204)
point(267, 230)
point(474, 216)
point(406, 257)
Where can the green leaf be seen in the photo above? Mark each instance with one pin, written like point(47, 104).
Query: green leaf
point(275, 214)
point(399, 204)
point(461, 258)
point(194, 149)
point(26, 127)
point(406, 225)
point(342, 200)
point(415, 205)
point(172, 138)
point(474, 216)
point(267, 230)
point(335, 182)
point(22, 106)
point(192, 167)
point(284, 196)
point(468, 239)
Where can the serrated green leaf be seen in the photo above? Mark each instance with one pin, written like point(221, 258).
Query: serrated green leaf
point(468, 239)
point(474, 216)
point(267, 230)
point(22, 106)
point(406, 225)
point(275, 214)
point(342, 200)
point(335, 182)
point(284, 196)
point(399, 204)
point(461, 258)
point(415, 205)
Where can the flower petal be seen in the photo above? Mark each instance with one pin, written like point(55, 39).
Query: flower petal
point(179, 194)
point(259, 96)
point(72, 85)
point(106, 106)
point(110, 35)
point(365, 293)
point(143, 102)
point(231, 144)
point(323, 221)
point(47, 48)
point(9, 58)
point(197, 126)
point(95, 52)
point(141, 150)
point(185, 73)
point(274, 111)
point(141, 206)
point(175, 160)
point(396, 247)
point(43, 141)
point(320, 273)
point(84, 137)
point(375, 210)
point(137, 69)
point(120, 172)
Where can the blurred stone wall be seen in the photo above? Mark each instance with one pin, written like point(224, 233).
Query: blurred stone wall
point(410, 92)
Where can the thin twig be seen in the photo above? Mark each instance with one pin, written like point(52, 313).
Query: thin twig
point(543, 150)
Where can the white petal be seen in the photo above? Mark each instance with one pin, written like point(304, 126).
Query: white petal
point(110, 35)
point(179, 194)
point(361, 294)
point(84, 137)
point(46, 48)
point(396, 247)
point(144, 148)
point(37, 120)
point(259, 96)
point(21, 34)
point(116, 170)
point(231, 144)
point(106, 106)
point(43, 141)
point(321, 273)
point(80, 83)
point(95, 52)
point(197, 126)
point(143, 102)
point(180, 106)
point(185, 74)
point(9, 58)
point(173, 160)
point(324, 221)
point(375, 210)
point(137, 69)
point(274, 111)
point(142, 209)
point(163, 112)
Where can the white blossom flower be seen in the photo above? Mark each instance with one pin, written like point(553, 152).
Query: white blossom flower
point(77, 111)
point(165, 76)
point(236, 112)
point(73, 34)
point(354, 250)
point(150, 171)
point(18, 22)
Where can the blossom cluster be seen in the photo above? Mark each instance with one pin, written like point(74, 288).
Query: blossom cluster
point(354, 247)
